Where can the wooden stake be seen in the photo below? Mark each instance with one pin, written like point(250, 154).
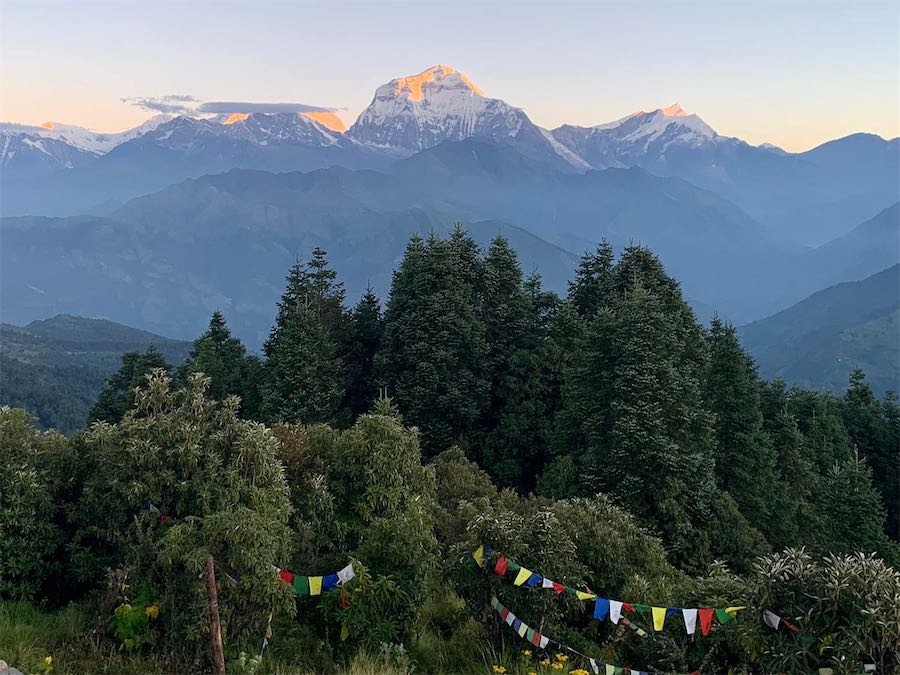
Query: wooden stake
point(215, 629)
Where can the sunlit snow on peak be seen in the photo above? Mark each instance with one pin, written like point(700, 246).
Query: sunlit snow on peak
point(437, 77)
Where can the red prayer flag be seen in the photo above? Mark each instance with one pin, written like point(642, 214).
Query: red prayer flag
point(286, 577)
point(559, 588)
point(536, 641)
point(504, 613)
point(165, 518)
point(706, 617)
point(501, 565)
point(627, 606)
point(791, 627)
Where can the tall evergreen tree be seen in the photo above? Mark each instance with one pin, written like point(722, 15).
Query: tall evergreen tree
point(593, 281)
point(525, 368)
point(871, 433)
point(303, 378)
point(434, 355)
point(219, 356)
point(117, 394)
point(745, 464)
point(853, 514)
point(366, 326)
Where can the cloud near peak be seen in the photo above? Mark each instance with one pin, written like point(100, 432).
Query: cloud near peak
point(175, 104)
point(182, 104)
point(247, 107)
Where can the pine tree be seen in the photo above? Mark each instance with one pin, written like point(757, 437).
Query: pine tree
point(853, 514)
point(117, 394)
point(745, 463)
point(366, 327)
point(525, 368)
point(219, 356)
point(871, 433)
point(593, 280)
point(792, 513)
point(434, 356)
point(304, 378)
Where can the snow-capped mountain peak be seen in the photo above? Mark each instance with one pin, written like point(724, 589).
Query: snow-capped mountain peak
point(413, 113)
point(429, 83)
point(417, 112)
point(95, 142)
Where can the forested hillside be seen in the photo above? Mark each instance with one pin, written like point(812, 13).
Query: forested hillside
point(821, 340)
point(56, 367)
point(591, 450)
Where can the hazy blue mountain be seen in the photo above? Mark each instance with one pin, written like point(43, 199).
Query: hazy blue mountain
point(197, 248)
point(820, 340)
point(56, 367)
point(808, 197)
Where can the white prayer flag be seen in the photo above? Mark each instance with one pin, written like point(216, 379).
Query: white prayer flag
point(544, 642)
point(771, 620)
point(595, 666)
point(615, 611)
point(546, 583)
point(690, 620)
point(510, 618)
point(346, 574)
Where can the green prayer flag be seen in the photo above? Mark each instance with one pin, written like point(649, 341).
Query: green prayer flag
point(643, 609)
point(618, 670)
point(301, 585)
point(514, 566)
point(529, 635)
point(495, 603)
point(723, 616)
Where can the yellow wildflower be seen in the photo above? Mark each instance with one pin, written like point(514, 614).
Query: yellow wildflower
point(526, 652)
point(152, 611)
point(545, 662)
point(562, 658)
point(498, 669)
point(579, 671)
point(556, 666)
point(531, 672)
point(48, 661)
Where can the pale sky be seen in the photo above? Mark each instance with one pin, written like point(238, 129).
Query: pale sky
point(786, 72)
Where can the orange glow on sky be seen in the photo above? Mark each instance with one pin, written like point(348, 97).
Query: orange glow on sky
point(47, 125)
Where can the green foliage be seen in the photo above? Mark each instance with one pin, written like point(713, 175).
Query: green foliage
point(874, 429)
point(363, 494)
point(434, 349)
point(118, 392)
point(32, 473)
point(365, 331)
point(224, 360)
point(221, 487)
point(303, 379)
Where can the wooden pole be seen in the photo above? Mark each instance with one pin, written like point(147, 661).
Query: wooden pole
point(215, 629)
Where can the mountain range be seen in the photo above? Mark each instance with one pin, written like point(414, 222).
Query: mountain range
point(160, 225)
point(806, 198)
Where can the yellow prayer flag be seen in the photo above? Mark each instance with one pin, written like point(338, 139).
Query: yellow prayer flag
point(581, 595)
point(610, 669)
point(345, 633)
point(734, 610)
point(659, 618)
point(479, 555)
point(523, 576)
point(315, 585)
point(522, 630)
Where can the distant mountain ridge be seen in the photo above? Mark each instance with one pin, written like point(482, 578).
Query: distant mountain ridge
point(165, 261)
point(820, 340)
